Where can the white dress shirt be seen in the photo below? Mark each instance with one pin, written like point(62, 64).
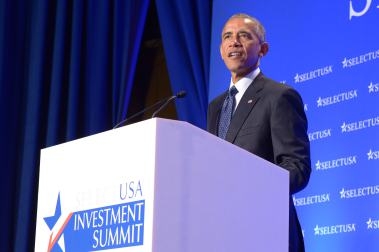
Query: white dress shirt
point(243, 84)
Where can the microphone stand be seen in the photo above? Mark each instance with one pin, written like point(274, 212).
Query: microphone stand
point(161, 103)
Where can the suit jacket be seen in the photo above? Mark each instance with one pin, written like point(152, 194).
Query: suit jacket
point(270, 122)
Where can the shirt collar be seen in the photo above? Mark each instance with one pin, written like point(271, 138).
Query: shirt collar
point(245, 81)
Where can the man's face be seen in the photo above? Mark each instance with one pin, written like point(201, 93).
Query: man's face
point(240, 47)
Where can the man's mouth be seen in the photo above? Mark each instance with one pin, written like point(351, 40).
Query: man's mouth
point(234, 54)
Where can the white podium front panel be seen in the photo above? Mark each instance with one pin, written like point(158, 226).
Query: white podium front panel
point(105, 187)
point(159, 185)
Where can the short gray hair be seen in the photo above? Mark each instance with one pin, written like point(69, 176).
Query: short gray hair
point(259, 29)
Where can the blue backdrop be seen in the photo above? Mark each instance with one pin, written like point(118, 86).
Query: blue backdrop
point(329, 52)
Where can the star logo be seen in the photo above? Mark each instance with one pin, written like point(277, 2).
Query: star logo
point(343, 127)
point(371, 88)
point(317, 230)
point(369, 224)
point(370, 155)
point(52, 220)
point(344, 63)
point(318, 165)
point(56, 239)
point(319, 102)
point(297, 78)
point(343, 193)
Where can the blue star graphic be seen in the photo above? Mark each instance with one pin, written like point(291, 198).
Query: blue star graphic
point(52, 220)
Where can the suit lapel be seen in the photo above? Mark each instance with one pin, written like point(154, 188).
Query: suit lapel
point(248, 101)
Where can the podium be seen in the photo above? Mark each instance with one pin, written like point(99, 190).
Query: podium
point(159, 185)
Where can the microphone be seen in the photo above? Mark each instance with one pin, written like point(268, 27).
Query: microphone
point(164, 101)
point(179, 95)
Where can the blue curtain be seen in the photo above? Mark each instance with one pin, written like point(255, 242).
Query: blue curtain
point(186, 33)
point(66, 71)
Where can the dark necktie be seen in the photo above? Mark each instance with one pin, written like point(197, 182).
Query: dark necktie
point(226, 112)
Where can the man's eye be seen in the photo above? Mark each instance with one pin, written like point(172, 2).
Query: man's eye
point(244, 35)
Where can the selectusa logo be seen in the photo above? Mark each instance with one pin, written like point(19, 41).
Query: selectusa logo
point(353, 12)
point(335, 229)
point(311, 199)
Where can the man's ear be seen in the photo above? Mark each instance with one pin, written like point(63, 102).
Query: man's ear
point(264, 49)
point(221, 52)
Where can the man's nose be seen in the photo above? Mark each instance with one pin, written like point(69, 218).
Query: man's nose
point(235, 42)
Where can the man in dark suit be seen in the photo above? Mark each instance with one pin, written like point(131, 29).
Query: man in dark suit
point(267, 117)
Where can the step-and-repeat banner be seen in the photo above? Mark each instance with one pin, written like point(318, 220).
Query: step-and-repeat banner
point(329, 52)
